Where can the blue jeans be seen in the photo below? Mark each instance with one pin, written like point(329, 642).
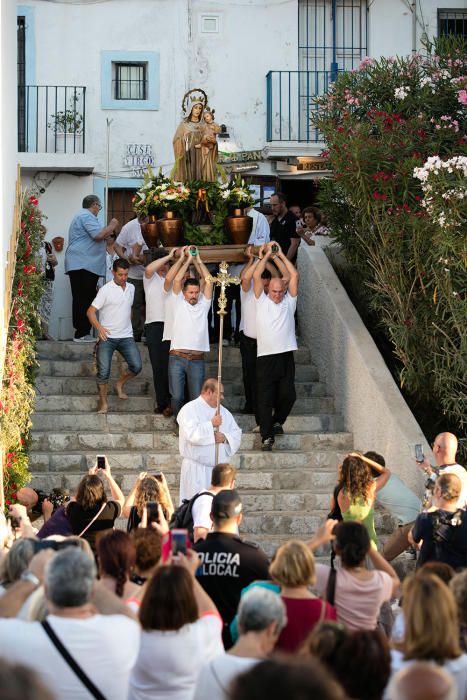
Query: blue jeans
point(181, 369)
point(126, 347)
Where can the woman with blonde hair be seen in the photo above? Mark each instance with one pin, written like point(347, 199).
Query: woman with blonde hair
point(431, 629)
point(293, 568)
point(146, 489)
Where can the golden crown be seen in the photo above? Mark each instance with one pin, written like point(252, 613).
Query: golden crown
point(195, 96)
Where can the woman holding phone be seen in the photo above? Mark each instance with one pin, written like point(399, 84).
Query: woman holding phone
point(148, 488)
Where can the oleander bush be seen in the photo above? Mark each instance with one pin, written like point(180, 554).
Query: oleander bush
point(398, 206)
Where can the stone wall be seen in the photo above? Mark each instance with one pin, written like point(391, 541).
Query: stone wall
point(354, 371)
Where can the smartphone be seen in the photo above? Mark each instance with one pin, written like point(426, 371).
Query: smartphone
point(179, 541)
point(15, 522)
point(274, 248)
point(101, 461)
point(158, 476)
point(419, 456)
point(153, 512)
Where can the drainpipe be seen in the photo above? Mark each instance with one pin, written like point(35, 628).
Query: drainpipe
point(414, 26)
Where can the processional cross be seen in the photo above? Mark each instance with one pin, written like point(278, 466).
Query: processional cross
point(222, 280)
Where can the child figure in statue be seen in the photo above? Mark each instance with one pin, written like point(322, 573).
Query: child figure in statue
point(208, 146)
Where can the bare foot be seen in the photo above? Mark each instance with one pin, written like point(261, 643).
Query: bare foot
point(120, 393)
point(102, 406)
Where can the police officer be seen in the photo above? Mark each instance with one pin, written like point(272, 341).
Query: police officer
point(229, 563)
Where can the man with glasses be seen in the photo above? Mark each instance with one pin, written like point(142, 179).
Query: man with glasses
point(85, 262)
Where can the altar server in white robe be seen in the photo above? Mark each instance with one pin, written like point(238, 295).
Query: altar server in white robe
point(200, 430)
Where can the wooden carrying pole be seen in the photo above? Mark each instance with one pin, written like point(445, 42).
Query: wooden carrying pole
point(222, 280)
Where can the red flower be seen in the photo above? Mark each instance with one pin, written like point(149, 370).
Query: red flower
point(379, 195)
point(20, 326)
point(408, 322)
point(14, 495)
point(33, 201)
point(340, 130)
point(8, 502)
point(27, 269)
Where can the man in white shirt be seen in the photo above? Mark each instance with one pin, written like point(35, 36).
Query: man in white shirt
point(190, 335)
point(222, 479)
point(114, 301)
point(131, 239)
point(275, 365)
point(444, 452)
point(104, 646)
point(201, 429)
point(154, 288)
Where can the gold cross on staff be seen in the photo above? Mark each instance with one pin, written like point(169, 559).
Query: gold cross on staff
point(222, 280)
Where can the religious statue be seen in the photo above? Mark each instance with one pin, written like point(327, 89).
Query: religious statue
point(194, 143)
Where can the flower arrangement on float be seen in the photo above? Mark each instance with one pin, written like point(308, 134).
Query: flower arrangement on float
point(17, 390)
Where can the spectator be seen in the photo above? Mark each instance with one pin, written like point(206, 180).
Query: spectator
point(276, 679)
point(261, 617)
point(116, 556)
point(443, 532)
point(112, 253)
point(38, 502)
point(148, 545)
point(283, 227)
point(325, 643)
point(458, 586)
point(222, 478)
point(431, 628)
point(363, 665)
point(91, 512)
point(85, 262)
point(357, 492)
point(105, 646)
point(444, 452)
point(228, 563)
point(16, 561)
point(18, 682)
point(422, 681)
point(147, 488)
point(358, 592)
point(293, 568)
point(181, 632)
point(48, 261)
point(131, 241)
point(296, 210)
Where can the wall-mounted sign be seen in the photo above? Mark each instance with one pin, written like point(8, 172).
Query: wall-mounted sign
point(241, 157)
point(314, 165)
point(137, 157)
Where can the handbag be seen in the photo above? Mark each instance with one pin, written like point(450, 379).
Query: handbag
point(331, 584)
point(75, 667)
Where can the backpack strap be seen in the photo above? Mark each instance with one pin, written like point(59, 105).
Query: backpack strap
point(75, 667)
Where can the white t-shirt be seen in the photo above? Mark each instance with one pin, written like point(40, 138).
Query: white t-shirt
point(114, 304)
point(169, 298)
point(457, 668)
point(129, 236)
point(155, 298)
point(190, 324)
point(216, 676)
point(248, 320)
point(105, 646)
point(275, 325)
point(169, 662)
point(201, 512)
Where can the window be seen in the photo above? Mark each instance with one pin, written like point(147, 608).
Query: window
point(452, 22)
point(130, 82)
point(209, 24)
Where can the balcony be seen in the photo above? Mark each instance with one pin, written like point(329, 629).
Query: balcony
point(290, 105)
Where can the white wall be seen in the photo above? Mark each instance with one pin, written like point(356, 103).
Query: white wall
point(353, 369)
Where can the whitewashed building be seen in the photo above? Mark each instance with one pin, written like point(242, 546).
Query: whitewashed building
point(118, 69)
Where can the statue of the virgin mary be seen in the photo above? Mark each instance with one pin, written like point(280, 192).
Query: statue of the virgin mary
point(189, 156)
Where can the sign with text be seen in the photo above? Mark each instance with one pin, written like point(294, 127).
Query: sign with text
point(241, 156)
point(137, 157)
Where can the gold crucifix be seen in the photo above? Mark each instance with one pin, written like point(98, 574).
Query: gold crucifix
point(222, 280)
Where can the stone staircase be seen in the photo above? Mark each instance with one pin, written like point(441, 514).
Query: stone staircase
point(285, 492)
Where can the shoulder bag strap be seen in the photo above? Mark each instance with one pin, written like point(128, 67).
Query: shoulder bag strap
point(94, 518)
point(75, 667)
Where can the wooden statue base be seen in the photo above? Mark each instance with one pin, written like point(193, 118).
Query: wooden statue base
point(217, 253)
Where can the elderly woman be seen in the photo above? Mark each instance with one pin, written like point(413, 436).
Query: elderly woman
point(261, 617)
point(293, 568)
point(91, 512)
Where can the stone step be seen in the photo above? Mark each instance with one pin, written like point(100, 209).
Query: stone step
point(318, 481)
point(50, 420)
point(60, 350)
point(144, 404)
point(86, 368)
point(304, 462)
point(86, 386)
point(102, 441)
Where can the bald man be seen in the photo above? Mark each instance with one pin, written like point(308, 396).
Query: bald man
point(422, 681)
point(444, 452)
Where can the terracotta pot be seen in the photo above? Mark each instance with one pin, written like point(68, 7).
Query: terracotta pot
point(239, 226)
point(150, 232)
point(170, 229)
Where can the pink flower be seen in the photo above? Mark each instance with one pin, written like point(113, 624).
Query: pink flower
point(462, 97)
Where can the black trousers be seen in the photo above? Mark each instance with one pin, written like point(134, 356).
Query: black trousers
point(158, 350)
point(138, 308)
point(83, 291)
point(275, 387)
point(248, 351)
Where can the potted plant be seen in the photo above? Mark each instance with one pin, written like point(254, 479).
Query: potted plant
point(67, 126)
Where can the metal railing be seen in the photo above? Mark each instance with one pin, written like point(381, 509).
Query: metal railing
point(290, 105)
point(51, 118)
